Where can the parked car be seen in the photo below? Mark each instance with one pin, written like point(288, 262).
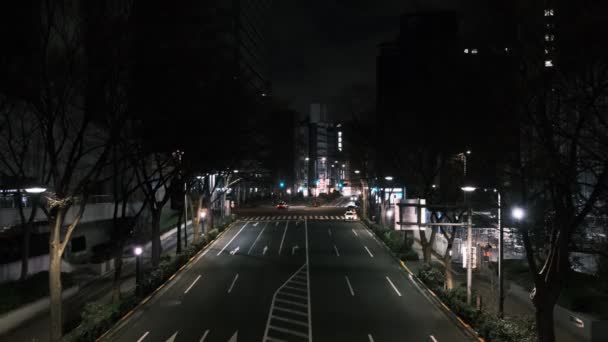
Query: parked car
point(282, 205)
point(350, 215)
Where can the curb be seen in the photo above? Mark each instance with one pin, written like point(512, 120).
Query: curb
point(466, 328)
point(158, 289)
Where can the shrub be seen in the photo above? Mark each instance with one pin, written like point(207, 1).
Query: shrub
point(213, 234)
point(409, 255)
point(432, 277)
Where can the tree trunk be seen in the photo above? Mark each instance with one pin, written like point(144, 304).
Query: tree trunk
point(56, 319)
point(544, 321)
point(25, 251)
point(117, 272)
point(178, 246)
point(196, 221)
point(449, 279)
point(155, 238)
point(426, 253)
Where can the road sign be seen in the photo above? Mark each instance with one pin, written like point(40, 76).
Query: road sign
point(465, 255)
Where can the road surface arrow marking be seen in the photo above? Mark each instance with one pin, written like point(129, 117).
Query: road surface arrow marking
point(255, 224)
point(293, 249)
point(265, 250)
point(233, 338)
point(172, 338)
point(233, 252)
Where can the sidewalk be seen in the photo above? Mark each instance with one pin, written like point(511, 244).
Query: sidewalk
point(98, 288)
point(516, 303)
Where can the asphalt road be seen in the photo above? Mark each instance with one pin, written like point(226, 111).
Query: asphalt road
point(291, 280)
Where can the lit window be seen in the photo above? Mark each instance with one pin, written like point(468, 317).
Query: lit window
point(549, 37)
point(506, 49)
point(549, 12)
point(548, 63)
point(466, 50)
point(474, 51)
point(546, 52)
point(340, 139)
point(340, 133)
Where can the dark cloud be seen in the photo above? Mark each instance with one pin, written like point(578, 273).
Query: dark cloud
point(320, 47)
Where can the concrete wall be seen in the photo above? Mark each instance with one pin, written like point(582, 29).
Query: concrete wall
point(12, 271)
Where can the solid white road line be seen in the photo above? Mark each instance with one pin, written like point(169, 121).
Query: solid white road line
point(336, 249)
point(433, 338)
point(235, 235)
point(143, 336)
point(204, 336)
point(272, 339)
point(256, 239)
point(283, 238)
point(352, 293)
point(368, 252)
point(308, 283)
point(354, 232)
point(303, 324)
point(194, 282)
point(369, 336)
point(234, 281)
point(393, 285)
point(172, 338)
point(291, 332)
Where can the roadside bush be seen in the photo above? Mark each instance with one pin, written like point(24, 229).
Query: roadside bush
point(409, 255)
point(432, 277)
point(212, 234)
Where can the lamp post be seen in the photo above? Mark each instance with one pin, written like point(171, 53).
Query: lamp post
point(501, 289)
point(469, 245)
point(137, 251)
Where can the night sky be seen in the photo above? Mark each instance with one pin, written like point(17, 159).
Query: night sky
point(321, 47)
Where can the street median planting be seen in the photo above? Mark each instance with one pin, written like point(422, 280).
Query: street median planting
point(488, 325)
point(394, 240)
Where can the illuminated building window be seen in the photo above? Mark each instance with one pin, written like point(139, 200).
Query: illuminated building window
point(466, 50)
point(548, 63)
point(549, 12)
point(549, 37)
point(474, 51)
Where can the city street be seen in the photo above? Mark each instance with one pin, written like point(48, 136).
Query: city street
point(284, 277)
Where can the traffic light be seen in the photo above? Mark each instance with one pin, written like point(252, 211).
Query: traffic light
point(340, 185)
point(281, 184)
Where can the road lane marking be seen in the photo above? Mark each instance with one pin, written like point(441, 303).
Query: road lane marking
point(234, 337)
point(234, 251)
point(354, 232)
point(233, 282)
point(172, 338)
point(289, 294)
point(393, 285)
point(283, 239)
point(308, 283)
point(329, 231)
point(352, 292)
point(295, 312)
point(289, 331)
point(368, 252)
point(292, 321)
point(291, 302)
point(204, 336)
point(272, 339)
point(235, 235)
point(369, 336)
point(294, 288)
point(265, 250)
point(336, 249)
point(194, 282)
point(433, 338)
point(257, 238)
point(143, 336)
point(294, 249)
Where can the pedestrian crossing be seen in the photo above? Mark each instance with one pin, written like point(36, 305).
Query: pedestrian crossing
point(293, 217)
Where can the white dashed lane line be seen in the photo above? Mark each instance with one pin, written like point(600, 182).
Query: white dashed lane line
point(233, 282)
point(350, 287)
point(368, 252)
point(393, 285)
point(336, 250)
point(194, 282)
point(143, 336)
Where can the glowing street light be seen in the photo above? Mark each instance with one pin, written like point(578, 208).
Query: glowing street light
point(357, 171)
point(35, 190)
point(468, 188)
point(138, 251)
point(388, 178)
point(518, 213)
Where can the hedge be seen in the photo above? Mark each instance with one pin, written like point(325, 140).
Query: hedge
point(393, 240)
point(15, 294)
point(488, 326)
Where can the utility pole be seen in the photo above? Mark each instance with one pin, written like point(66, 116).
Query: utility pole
point(469, 255)
point(501, 291)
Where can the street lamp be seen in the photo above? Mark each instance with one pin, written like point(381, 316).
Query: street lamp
point(35, 190)
point(357, 172)
point(138, 251)
point(518, 213)
point(388, 178)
